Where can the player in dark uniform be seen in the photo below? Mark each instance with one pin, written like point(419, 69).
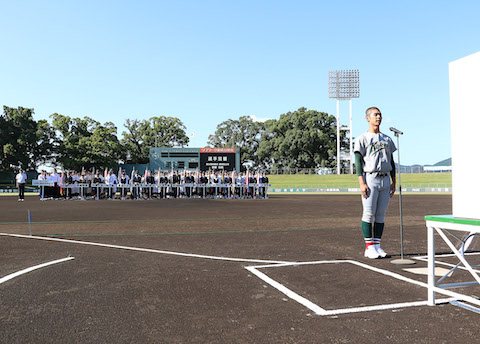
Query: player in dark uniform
point(124, 180)
point(251, 186)
point(264, 181)
point(97, 180)
point(137, 180)
point(150, 181)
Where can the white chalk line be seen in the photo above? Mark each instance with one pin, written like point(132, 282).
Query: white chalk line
point(441, 255)
point(24, 271)
point(291, 294)
point(253, 269)
point(447, 292)
point(447, 255)
point(366, 266)
point(323, 312)
point(130, 248)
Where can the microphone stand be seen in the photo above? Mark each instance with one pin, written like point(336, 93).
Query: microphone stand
point(400, 261)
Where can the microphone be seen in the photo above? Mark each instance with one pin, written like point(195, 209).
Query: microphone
point(396, 131)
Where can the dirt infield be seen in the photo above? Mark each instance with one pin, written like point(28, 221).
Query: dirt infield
point(175, 271)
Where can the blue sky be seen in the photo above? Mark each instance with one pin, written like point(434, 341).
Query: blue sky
point(207, 61)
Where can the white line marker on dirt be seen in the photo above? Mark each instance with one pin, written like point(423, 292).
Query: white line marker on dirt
point(271, 263)
point(300, 299)
point(384, 307)
point(320, 311)
point(143, 249)
point(24, 271)
point(438, 262)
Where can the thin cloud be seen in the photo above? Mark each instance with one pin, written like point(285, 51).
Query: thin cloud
point(259, 119)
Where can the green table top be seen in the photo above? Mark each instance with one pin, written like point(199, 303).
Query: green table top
point(451, 219)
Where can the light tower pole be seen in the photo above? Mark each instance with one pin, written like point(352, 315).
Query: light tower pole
point(344, 85)
point(338, 136)
point(351, 138)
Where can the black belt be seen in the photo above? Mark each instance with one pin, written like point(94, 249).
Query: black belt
point(379, 174)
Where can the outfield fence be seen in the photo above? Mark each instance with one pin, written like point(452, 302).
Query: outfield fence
point(355, 186)
point(282, 188)
point(327, 171)
point(356, 189)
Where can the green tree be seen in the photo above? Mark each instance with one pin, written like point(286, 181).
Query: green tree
point(243, 134)
point(141, 135)
point(299, 139)
point(86, 143)
point(25, 143)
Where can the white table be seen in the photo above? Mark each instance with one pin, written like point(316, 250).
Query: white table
point(443, 225)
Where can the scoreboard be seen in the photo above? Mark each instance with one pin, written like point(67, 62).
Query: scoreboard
point(217, 159)
point(191, 159)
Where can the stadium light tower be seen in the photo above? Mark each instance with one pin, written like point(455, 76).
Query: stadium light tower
point(344, 85)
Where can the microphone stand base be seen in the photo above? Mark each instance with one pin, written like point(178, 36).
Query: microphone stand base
point(403, 262)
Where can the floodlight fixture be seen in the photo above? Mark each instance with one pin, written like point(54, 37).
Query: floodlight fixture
point(344, 84)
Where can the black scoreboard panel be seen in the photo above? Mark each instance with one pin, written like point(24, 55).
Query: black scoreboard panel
point(217, 161)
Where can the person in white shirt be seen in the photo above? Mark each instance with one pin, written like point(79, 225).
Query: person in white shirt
point(75, 180)
point(112, 180)
point(42, 175)
point(21, 179)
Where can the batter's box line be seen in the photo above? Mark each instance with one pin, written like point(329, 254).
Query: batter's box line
point(321, 311)
point(448, 255)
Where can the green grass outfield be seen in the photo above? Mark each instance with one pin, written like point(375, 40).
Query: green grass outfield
point(348, 180)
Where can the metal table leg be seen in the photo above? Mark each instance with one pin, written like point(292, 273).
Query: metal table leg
point(431, 266)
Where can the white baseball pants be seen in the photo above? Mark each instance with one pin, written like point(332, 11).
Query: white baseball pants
point(376, 204)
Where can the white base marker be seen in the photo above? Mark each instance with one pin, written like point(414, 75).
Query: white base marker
point(439, 272)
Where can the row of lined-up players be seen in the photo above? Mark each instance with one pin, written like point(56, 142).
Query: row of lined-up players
point(161, 185)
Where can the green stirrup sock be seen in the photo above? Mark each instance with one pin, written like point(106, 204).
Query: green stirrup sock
point(378, 230)
point(367, 230)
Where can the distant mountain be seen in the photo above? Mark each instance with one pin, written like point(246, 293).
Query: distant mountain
point(446, 162)
point(408, 166)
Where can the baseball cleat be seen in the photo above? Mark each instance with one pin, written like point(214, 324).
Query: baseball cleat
point(381, 252)
point(371, 252)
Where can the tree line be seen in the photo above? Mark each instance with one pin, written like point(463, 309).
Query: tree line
point(299, 139)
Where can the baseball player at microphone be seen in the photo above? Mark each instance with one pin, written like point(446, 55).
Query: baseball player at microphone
point(375, 166)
